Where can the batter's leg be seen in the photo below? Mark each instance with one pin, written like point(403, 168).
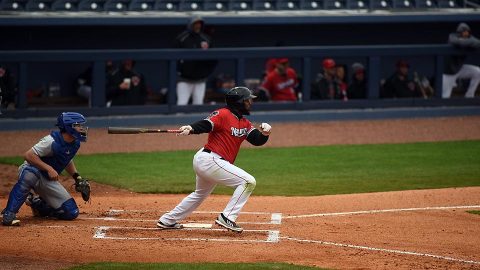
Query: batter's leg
point(190, 203)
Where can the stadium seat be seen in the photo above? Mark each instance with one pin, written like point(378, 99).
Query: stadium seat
point(358, 4)
point(191, 5)
point(404, 4)
point(288, 4)
point(13, 5)
point(424, 4)
point(142, 5)
point(312, 4)
point(117, 5)
point(167, 5)
point(91, 5)
point(65, 5)
point(451, 3)
point(239, 5)
point(335, 4)
point(39, 5)
point(264, 5)
point(382, 4)
point(220, 5)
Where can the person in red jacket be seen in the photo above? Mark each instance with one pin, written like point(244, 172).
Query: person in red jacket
point(280, 83)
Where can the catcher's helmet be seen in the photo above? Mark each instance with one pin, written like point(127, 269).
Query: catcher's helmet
point(236, 96)
point(73, 124)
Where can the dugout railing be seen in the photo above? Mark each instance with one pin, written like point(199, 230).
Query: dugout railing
point(372, 54)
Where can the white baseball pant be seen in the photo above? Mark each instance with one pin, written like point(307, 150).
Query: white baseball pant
point(211, 170)
point(466, 72)
point(185, 90)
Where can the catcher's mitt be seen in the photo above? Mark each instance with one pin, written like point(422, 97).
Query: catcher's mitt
point(82, 186)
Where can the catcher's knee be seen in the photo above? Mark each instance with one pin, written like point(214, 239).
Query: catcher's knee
point(68, 210)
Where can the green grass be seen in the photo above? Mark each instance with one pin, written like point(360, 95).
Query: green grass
point(191, 266)
point(475, 212)
point(299, 171)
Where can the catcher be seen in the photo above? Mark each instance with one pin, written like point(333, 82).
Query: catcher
point(43, 164)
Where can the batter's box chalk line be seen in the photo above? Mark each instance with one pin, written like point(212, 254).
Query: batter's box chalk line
point(275, 218)
point(272, 236)
point(384, 211)
point(394, 251)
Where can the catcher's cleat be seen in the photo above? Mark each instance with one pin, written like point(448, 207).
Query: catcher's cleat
point(227, 223)
point(164, 226)
point(10, 219)
point(31, 201)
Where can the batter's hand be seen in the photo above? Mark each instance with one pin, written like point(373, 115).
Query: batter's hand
point(266, 129)
point(185, 130)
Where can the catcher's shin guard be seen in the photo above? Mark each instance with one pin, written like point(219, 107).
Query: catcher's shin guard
point(68, 210)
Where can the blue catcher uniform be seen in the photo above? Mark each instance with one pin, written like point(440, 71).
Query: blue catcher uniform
point(54, 200)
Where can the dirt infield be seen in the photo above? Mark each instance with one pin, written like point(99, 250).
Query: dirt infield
point(423, 229)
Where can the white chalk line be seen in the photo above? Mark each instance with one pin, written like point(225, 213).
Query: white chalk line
point(381, 250)
point(275, 219)
point(273, 236)
point(383, 211)
point(119, 211)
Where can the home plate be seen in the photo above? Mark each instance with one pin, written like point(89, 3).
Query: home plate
point(197, 225)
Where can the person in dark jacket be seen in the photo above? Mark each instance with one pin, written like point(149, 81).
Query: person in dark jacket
point(455, 67)
point(193, 74)
point(127, 86)
point(399, 85)
point(358, 87)
point(326, 85)
point(8, 89)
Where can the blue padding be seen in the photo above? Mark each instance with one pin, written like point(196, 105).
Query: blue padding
point(68, 210)
point(19, 193)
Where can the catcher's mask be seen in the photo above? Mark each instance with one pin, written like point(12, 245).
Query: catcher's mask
point(73, 124)
point(235, 99)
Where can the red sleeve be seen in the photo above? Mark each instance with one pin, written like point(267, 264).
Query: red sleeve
point(216, 119)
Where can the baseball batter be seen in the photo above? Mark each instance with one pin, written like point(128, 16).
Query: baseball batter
point(213, 164)
point(43, 164)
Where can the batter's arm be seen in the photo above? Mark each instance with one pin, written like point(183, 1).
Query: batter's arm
point(255, 137)
point(202, 126)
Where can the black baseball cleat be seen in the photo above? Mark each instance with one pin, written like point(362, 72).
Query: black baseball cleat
point(174, 226)
point(227, 223)
point(9, 219)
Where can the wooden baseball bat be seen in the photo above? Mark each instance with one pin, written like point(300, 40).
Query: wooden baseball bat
point(128, 130)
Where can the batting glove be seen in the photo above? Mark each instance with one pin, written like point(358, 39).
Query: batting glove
point(266, 129)
point(185, 130)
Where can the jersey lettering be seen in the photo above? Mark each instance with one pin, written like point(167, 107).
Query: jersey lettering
point(239, 132)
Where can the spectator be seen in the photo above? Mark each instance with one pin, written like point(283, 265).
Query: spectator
point(326, 86)
point(280, 84)
point(342, 83)
point(455, 67)
point(193, 74)
point(126, 86)
point(84, 80)
point(8, 89)
point(358, 87)
point(220, 86)
point(399, 85)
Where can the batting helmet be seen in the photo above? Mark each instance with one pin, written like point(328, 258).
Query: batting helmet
point(236, 96)
point(73, 124)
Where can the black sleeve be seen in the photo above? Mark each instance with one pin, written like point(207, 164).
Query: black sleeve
point(202, 126)
point(255, 137)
